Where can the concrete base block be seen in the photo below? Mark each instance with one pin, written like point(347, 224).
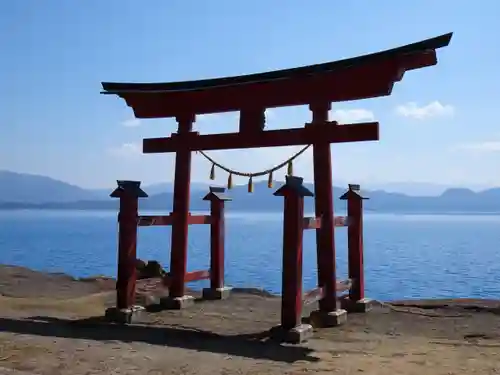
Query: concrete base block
point(124, 316)
point(146, 300)
point(361, 306)
point(177, 303)
point(217, 294)
point(328, 318)
point(296, 335)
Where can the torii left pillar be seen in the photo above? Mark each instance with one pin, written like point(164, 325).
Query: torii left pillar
point(129, 193)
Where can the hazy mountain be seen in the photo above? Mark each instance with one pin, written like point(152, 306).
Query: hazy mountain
point(28, 188)
point(417, 189)
point(38, 192)
point(153, 189)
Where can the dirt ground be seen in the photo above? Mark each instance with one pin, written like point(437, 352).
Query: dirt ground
point(51, 324)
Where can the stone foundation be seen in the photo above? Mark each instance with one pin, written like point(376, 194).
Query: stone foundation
point(323, 319)
point(216, 294)
point(124, 316)
point(361, 306)
point(176, 303)
point(296, 335)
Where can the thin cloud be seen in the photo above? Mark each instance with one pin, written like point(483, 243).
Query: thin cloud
point(433, 109)
point(347, 116)
point(487, 146)
point(131, 123)
point(126, 150)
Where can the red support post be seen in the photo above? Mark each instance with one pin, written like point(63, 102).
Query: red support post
point(217, 199)
point(291, 329)
point(357, 301)
point(129, 193)
point(180, 220)
point(328, 314)
point(355, 247)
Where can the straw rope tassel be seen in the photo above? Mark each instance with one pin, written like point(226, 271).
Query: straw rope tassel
point(268, 172)
point(212, 172)
point(290, 168)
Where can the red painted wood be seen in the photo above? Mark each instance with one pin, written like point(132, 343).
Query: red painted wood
point(315, 222)
point(199, 219)
point(311, 223)
point(313, 295)
point(180, 214)
point(197, 275)
point(189, 277)
point(318, 293)
point(355, 247)
point(153, 220)
point(252, 119)
point(291, 302)
point(341, 221)
point(163, 220)
point(344, 285)
point(374, 77)
point(217, 234)
point(325, 240)
point(329, 133)
point(127, 250)
point(373, 80)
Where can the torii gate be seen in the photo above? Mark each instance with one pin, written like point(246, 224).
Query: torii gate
point(318, 86)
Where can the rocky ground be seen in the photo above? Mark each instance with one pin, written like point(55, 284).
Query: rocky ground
point(51, 324)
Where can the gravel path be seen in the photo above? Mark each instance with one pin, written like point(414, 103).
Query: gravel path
point(61, 332)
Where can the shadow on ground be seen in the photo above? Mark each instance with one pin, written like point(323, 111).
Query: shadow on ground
point(255, 346)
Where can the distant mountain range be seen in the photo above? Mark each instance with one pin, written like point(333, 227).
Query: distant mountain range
point(24, 191)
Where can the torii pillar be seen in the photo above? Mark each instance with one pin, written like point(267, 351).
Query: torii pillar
point(217, 199)
point(129, 193)
point(356, 301)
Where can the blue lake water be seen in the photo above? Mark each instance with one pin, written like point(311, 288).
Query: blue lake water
point(406, 256)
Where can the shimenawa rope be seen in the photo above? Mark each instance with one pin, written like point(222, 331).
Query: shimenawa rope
point(288, 162)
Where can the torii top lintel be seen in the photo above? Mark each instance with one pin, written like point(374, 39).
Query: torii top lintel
point(360, 77)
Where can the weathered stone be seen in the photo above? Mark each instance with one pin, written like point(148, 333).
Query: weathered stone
point(216, 294)
point(140, 264)
point(149, 270)
point(176, 303)
point(296, 335)
point(146, 299)
point(361, 306)
point(124, 316)
point(328, 318)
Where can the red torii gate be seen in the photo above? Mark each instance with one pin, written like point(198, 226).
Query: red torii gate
point(368, 76)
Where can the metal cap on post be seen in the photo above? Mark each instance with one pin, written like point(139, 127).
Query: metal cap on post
point(217, 193)
point(132, 187)
point(294, 184)
point(353, 192)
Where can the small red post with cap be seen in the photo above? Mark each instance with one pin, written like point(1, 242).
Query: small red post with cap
point(129, 193)
point(217, 198)
point(356, 301)
point(291, 329)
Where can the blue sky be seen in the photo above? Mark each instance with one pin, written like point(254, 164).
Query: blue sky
point(440, 124)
